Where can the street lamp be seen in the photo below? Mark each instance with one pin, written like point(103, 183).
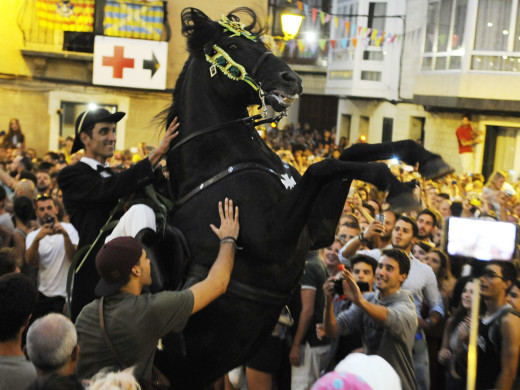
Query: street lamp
point(292, 19)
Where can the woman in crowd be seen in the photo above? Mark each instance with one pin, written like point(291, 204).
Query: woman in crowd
point(493, 194)
point(440, 263)
point(450, 338)
point(420, 249)
point(14, 137)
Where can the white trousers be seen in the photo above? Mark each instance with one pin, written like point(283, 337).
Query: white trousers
point(313, 361)
point(138, 217)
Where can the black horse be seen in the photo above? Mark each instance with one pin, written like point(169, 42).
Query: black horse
point(282, 215)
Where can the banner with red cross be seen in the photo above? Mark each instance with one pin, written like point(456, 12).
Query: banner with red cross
point(133, 63)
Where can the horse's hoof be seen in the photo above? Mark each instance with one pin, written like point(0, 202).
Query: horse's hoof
point(435, 168)
point(404, 199)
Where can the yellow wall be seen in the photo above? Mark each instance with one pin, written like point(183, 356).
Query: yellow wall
point(35, 101)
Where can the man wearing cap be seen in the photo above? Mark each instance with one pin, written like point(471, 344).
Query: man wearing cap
point(133, 322)
point(91, 191)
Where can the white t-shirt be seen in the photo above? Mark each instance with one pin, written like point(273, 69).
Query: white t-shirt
point(52, 273)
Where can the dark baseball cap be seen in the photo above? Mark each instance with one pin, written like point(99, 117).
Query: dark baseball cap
point(114, 263)
point(89, 118)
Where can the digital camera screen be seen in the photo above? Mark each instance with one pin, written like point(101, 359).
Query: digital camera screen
point(481, 239)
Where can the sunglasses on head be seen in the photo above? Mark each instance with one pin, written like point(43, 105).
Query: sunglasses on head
point(43, 196)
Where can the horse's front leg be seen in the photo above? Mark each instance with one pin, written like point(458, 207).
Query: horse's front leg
point(431, 165)
point(317, 200)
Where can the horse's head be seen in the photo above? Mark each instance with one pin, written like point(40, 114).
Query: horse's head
point(240, 65)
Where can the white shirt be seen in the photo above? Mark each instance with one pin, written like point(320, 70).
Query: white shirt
point(54, 265)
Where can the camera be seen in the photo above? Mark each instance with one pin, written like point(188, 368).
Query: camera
point(480, 239)
point(49, 220)
point(338, 286)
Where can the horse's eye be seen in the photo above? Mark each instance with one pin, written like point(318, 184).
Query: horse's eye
point(232, 47)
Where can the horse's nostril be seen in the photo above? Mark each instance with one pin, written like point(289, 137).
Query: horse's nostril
point(289, 76)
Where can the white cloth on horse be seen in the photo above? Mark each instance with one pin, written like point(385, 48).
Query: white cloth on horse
point(138, 217)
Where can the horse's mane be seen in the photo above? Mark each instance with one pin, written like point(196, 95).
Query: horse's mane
point(199, 29)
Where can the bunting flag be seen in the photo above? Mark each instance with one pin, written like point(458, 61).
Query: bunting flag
point(73, 15)
point(134, 19)
point(301, 45)
point(322, 17)
point(314, 14)
point(336, 21)
point(354, 42)
point(347, 28)
point(300, 5)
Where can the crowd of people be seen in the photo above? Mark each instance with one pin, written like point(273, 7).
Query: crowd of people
point(385, 286)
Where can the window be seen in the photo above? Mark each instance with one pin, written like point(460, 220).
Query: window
point(445, 26)
point(370, 75)
point(492, 30)
point(497, 36)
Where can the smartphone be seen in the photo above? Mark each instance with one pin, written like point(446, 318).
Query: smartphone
point(480, 239)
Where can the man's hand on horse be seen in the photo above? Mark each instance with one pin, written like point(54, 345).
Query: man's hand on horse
point(171, 133)
point(229, 225)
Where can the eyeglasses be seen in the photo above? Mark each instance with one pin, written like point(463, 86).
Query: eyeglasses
point(43, 196)
point(488, 274)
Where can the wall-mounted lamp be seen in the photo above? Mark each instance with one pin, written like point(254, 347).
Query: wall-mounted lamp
point(292, 19)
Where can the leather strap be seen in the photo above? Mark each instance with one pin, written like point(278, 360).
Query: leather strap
point(105, 334)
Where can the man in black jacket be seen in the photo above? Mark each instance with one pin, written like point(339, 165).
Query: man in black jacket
point(91, 191)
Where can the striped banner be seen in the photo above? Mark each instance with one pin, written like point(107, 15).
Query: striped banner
point(134, 19)
point(73, 15)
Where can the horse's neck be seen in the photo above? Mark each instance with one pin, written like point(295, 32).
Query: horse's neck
point(201, 108)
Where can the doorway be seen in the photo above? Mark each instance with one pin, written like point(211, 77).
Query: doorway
point(500, 147)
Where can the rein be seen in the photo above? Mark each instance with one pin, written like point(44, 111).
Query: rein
point(226, 172)
point(247, 120)
point(242, 290)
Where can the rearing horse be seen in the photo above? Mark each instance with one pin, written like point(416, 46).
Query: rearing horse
point(282, 215)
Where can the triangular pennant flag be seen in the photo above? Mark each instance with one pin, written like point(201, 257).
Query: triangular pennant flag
point(368, 32)
point(314, 14)
point(364, 31)
point(306, 9)
point(281, 47)
point(327, 18)
point(374, 34)
point(336, 21)
point(300, 5)
point(347, 28)
point(322, 17)
point(333, 43)
point(454, 41)
point(359, 30)
point(292, 46)
point(322, 43)
point(393, 38)
point(352, 29)
point(378, 41)
point(354, 42)
point(344, 43)
point(313, 47)
point(301, 45)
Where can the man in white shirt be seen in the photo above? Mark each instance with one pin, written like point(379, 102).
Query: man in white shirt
point(51, 249)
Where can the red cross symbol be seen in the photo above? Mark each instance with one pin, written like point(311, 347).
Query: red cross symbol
point(118, 62)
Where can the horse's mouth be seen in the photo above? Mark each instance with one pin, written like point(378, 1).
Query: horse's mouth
point(280, 100)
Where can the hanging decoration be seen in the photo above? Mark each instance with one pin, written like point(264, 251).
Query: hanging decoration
point(350, 33)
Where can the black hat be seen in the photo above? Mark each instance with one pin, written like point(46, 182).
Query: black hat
point(114, 263)
point(89, 118)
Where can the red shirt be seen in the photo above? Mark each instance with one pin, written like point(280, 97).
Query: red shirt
point(465, 133)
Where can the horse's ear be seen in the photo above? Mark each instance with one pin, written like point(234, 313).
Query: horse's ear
point(198, 28)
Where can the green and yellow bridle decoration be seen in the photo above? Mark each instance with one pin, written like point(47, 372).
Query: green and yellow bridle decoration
point(236, 28)
point(218, 58)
